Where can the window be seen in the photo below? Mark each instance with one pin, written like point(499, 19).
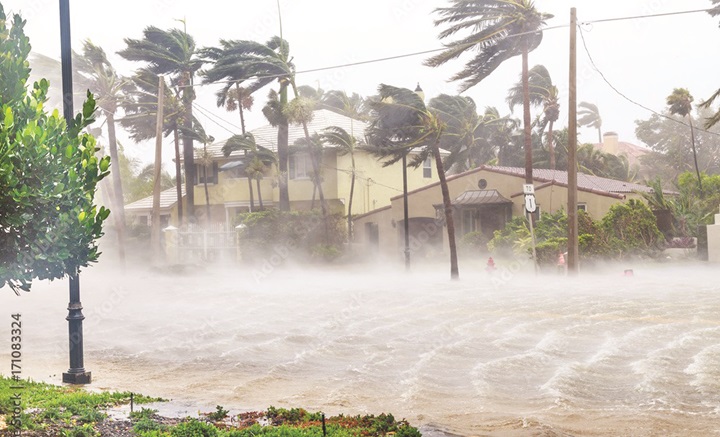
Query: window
point(209, 173)
point(582, 207)
point(427, 168)
point(300, 166)
point(468, 221)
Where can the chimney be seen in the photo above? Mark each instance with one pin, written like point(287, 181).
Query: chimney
point(610, 143)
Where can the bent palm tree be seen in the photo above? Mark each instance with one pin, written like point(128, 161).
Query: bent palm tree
point(198, 133)
point(258, 158)
point(172, 52)
point(403, 123)
point(680, 103)
point(590, 117)
point(140, 118)
point(542, 92)
point(346, 144)
point(499, 30)
point(93, 71)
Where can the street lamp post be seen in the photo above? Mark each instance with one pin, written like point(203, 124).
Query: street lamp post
point(77, 373)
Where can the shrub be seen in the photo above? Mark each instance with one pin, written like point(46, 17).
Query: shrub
point(474, 243)
point(194, 428)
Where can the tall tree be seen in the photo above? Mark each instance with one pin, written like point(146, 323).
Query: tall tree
point(542, 93)
point(229, 66)
point(464, 133)
point(205, 159)
point(172, 52)
point(94, 72)
point(261, 64)
point(140, 118)
point(590, 116)
point(714, 118)
point(680, 103)
point(346, 144)
point(402, 123)
point(499, 30)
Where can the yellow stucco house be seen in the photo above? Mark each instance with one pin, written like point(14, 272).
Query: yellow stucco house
point(484, 199)
point(229, 193)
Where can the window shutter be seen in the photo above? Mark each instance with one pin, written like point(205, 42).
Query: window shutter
point(215, 173)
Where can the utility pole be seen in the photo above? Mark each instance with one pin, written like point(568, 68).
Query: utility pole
point(76, 374)
point(155, 229)
point(572, 264)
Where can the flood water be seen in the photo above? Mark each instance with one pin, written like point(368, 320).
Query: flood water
point(503, 355)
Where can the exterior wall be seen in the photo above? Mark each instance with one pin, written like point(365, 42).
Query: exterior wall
point(713, 241)
point(387, 233)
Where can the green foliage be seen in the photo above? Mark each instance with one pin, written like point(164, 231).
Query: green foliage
point(85, 430)
point(514, 238)
point(144, 413)
point(297, 234)
point(194, 428)
point(474, 242)
point(48, 174)
point(631, 229)
point(219, 414)
point(146, 427)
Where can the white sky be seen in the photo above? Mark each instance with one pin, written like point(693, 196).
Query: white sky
point(645, 59)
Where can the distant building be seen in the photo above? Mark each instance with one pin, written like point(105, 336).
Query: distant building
point(484, 200)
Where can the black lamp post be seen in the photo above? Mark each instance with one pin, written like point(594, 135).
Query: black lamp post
point(76, 374)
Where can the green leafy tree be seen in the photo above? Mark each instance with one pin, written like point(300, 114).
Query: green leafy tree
point(713, 119)
point(172, 52)
point(499, 30)
point(48, 173)
point(402, 123)
point(631, 229)
point(589, 115)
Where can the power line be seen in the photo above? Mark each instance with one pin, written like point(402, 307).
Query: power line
point(637, 17)
point(621, 94)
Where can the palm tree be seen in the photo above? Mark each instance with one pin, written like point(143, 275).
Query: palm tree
point(590, 117)
point(499, 30)
point(172, 52)
point(346, 144)
point(229, 66)
point(680, 103)
point(261, 64)
point(352, 106)
point(403, 123)
point(500, 132)
point(463, 134)
point(257, 158)
point(205, 158)
point(94, 72)
point(141, 118)
point(542, 92)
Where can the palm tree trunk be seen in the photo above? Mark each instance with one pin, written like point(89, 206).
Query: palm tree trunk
point(282, 150)
point(551, 146)
point(447, 203)
point(118, 201)
point(242, 128)
point(350, 201)
point(526, 117)
point(262, 208)
point(178, 176)
point(188, 151)
point(697, 169)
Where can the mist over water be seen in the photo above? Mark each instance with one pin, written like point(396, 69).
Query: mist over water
point(505, 354)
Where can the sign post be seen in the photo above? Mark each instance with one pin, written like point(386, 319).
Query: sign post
point(531, 207)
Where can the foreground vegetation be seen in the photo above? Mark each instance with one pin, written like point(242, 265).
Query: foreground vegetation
point(49, 410)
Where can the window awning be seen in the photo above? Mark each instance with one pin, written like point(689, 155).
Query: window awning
point(231, 165)
point(479, 198)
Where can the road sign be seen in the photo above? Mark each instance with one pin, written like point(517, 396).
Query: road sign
point(528, 189)
point(530, 205)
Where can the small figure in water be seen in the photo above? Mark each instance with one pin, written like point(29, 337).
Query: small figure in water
point(561, 263)
point(490, 265)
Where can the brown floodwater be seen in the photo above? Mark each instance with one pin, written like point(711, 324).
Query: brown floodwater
point(507, 354)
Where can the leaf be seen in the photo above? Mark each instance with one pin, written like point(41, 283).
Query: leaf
point(9, 119)
point(81, 216)
point(69, 152)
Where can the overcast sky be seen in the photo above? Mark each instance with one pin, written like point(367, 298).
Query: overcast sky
point(643, 58)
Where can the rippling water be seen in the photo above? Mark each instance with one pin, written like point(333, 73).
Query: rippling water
point(503, 355)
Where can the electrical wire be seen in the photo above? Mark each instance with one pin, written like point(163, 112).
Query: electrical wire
point(637, 17)
point(624, 96)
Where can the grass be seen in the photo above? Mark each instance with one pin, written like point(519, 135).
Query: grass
point(74, 412)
